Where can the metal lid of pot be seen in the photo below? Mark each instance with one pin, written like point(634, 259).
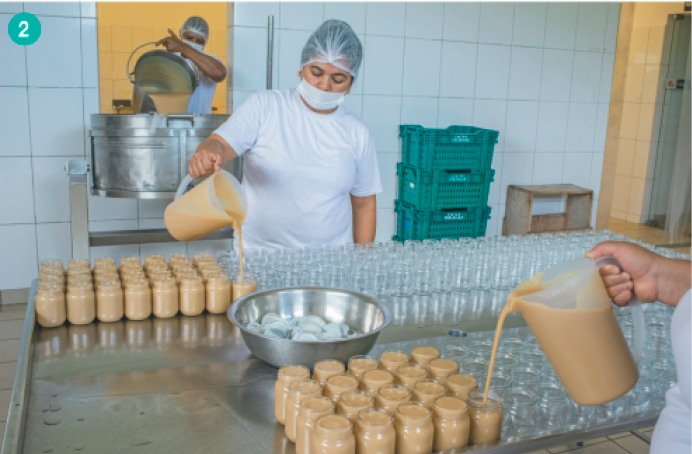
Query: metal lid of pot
point(160, 71)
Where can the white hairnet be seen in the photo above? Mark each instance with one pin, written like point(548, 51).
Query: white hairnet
point(197, 25)
point(334, 42)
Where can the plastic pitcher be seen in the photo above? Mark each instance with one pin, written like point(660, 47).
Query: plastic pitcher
point(217, 202)
point(569, 311)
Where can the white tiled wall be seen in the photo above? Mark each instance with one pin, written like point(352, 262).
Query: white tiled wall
point(540, 73)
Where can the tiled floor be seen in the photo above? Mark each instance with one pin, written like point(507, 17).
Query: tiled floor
point(650, 235)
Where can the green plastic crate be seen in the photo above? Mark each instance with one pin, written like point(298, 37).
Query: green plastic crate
point(443, 189)
point(416, 224)
point(454, 148)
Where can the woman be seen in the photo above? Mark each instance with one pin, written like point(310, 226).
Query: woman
point(194, 34)
point(304, 153)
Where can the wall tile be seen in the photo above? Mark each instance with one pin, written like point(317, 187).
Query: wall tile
point(17, 204)
point(90, 54)
point(209, 245)
point(625, 163)
point(19, 265)
point(51, 189)
point(634, 83)
point(11, 7)
point(639, 44)
point(105, 37)
point(54, 241)
point(601, 128)
point(424, 20)
point(422, 67)
point(302, 15)
point(152, 208)
point(354, 103)
point(352, 13)
point(457, 112)
point(91, 106)
point(385, 18)
point(630, 120)
point(108, 208)
point(254, 14)
point(650, 84)
point(525, 73)
point(606, 78)
point(152, 224)
point(636, 198)
point(496, 185)
point(252, 74)
point(14, 122)
point(11, 52)
point(491, 114)
point(382, 114)
point(291, 46)
point(586, 76)
point(546, 205)
point(581, 127)
point(458, 73)
point(492, 71)
point(646, 203)
point(116, 252)
point(56, 133)
point(386, 224)
point(88, 9)
point(654, 49)
point(577, 169)
point(561, 25)
point(547, 168)
point(112, 225)
point(591, 26)
point(646, 122)
point(556, 78)
point(596, 174)
point(529, 24)
point(618, 214)
point(461, 21)
point(612, 23)
point(552, 126)
point(522, 122)
point(384, 61)
point(387, 163)
point(640, 166)
point(66, 9)
point(419, 111)
point(517, 168)
point(239, 97)
point(495, 26)
point(62, 56)
point(493, 227)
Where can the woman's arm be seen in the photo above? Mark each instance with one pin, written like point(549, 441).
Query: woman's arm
point(208, 65)
point(364, 218)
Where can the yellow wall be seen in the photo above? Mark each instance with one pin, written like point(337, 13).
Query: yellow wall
point(124, 26)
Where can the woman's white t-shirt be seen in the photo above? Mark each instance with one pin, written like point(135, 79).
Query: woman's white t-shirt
point(299, 169)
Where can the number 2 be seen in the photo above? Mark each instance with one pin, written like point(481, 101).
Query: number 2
point(25, 24)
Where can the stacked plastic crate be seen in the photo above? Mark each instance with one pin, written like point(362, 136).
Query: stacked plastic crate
point(444, 180)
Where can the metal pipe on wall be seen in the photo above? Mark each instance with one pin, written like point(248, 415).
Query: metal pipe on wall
point(270, 50)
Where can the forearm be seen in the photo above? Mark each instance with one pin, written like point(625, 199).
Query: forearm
point(364, 219)
point(217, 144)
point(208, 65)
point(673, 280)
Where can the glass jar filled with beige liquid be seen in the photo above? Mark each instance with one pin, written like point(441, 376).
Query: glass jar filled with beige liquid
point(441, 368)
point(192, 295)
point(460, 385)
point(374, 431)
point(390, 397)
point(423, 354)
point(110, 304)
point(104, 261)
point(130, 260)
point(137, 299)
point(391, 360)
point(358, 364)
point(158, 275)
point(78, 263)
point(452, 423)
point(210, 270)
point(333, 434)
point(52, 264)
point(80, 278)
point(414, 429)
point(297, 392)
point(53, 273)
point(201, 256)
point(81, 307)
point(353, 402)
point(184, 268)
point(156, 268)
point(177, 257)
point(310, 410)
point(218, 294)
point(50, 304)
point(76, 272)
point(327, 368)
point(336, 385)
point(287, 375)
point(154, 258)
point(205, 263)
point(164, 295)
point(243, 285)
point(372, 380)
point(428, 391)
point(106, 277)
point(485, 416)
point(407, 376)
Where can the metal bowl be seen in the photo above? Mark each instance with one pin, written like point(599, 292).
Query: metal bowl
point(361, 312)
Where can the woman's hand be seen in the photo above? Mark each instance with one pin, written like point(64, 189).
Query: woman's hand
point(205, 162)
point(173, 43)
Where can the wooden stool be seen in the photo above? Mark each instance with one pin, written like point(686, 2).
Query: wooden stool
point(519, 206)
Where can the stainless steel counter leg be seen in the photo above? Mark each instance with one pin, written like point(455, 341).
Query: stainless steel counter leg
point(642, 436)
point(79, 208)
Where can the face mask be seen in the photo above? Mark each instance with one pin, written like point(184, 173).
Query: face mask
point(194, 45)
point(318, 99)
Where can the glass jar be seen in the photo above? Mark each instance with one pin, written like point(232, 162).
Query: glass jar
point(407, 376)
point(137, 299)
point(423, 354)
point(390, 397)
point(192, 295)
point(452, 423)
point(414, 429)
point(218, 294)
point(156, 268)
point(372, 380)
point(486, 417)
point(52, 264)
point(76, 264)
point(210, 270)
point(73, 272)
point(165, 297)
point(158, 275)
point(80, 278)
point(310, 410)
point(391, 360)
point(358, 364)
point(154, 258)
point(109, 301)
point(327, 368)
point(50, 304)
point(104, 261)
point(297, 392)
point(53, 272)
point(353, 402)
point(201, 256)
point(336, 385)
point(441, 368)
point(130, 260)
point(428, 391)
point(460, 385)
point(287, 375)
point(333, 434)
point(54, 280)
point(243, 285)
point(374, 431)
point(81, 307)
point(178, 257)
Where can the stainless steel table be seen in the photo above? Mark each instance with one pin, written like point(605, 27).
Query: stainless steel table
point(185, 385)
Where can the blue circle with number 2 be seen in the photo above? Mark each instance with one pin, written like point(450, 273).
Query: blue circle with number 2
point(24, 29)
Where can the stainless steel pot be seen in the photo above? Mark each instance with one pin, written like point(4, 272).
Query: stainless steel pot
point(146, 156)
